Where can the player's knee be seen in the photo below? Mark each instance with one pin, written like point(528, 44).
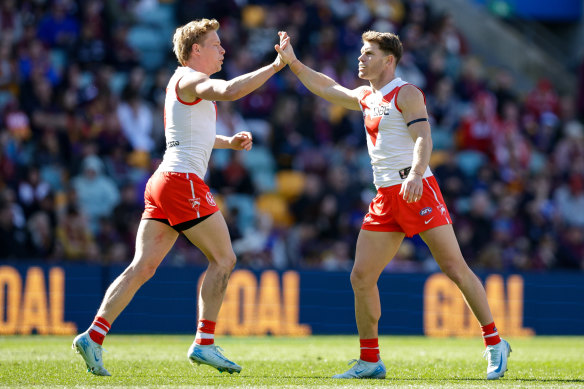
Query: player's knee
point(226, 262)
point(142, 273)
point(454, 272)
point(360, 279)
point(147, 272)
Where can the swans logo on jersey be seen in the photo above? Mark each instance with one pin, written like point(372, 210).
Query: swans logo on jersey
point(210, 199)
point(442, 209)
point(426, 211)
point(195, 203)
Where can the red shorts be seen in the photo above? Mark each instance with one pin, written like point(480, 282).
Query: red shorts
point(177, 198)
point(390, 212)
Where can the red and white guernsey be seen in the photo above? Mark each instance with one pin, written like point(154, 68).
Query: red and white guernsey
point(190, 129)
point(390, 145)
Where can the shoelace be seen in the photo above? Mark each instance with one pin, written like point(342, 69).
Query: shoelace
point(352, 361)
point(493, 353)
point(99, 350)
point(219, 351)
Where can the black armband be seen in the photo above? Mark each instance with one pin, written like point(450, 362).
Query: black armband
point(417, 120)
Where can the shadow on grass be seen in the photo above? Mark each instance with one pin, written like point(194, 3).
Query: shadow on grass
point(566, 381)
point(543, 380)
point(227, 376)
point(518, 380)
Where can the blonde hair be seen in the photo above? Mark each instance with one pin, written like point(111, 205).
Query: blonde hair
point(387, 41)
point(186, 36)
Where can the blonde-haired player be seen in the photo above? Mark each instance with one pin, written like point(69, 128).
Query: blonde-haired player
point(176, 198)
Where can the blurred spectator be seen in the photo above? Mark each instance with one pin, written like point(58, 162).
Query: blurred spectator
point(236, 178)
point(404, 260)
point(90, 50)
point(436, 71)
point(42, 236)
point(34, 62)
point(571, 250)
point(112, 248)
point(478, 128)
point(480, 217)
point(449, 37)
point(407, 70)
point(512, 151)
point(32, 190)
point(453, 182)
point(8, 72)
point(445, 108)
point(503, 89)
point(569, 150)
point(337, 257)
point(229, 121)
point(542, 99)
point(74, 236)
point(11, 23)
point(471, 80)
point(126, 215)
point(13, 238)
point(17, 122)
point(97, 193)
point(569, 199)
point(122, 55)
point(58, 28)
point(135, 118)
point(261, 246)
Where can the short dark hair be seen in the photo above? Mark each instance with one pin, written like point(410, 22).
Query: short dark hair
point(387, 41)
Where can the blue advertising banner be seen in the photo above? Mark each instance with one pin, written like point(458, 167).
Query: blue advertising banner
point(559, 10)
point(64, 299)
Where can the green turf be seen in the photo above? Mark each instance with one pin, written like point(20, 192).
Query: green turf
point(160, 360)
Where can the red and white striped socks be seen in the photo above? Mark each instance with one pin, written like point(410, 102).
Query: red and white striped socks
point(99, 329)
point(490, 334)
point(205, 332)
point(369, 350)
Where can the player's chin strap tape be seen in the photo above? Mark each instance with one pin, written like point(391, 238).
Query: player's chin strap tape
point(417, 120)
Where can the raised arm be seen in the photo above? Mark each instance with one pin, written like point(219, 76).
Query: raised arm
point(411, 102)
point(199, 85)
point(318, 83)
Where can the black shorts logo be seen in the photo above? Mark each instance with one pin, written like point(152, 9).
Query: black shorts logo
point(404, 172)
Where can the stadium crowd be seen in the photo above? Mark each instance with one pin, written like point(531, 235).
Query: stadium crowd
point(82, 87)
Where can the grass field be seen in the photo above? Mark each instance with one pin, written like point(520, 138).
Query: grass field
point(160, 361)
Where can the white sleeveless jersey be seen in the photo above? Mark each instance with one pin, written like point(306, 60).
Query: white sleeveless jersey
point(189, 130)
point(390, 145)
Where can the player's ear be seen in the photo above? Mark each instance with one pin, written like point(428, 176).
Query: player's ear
point(196, 48)
point(390, 60)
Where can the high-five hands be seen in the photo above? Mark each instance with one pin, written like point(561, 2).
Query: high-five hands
point(284, 49)
point(279, 62)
